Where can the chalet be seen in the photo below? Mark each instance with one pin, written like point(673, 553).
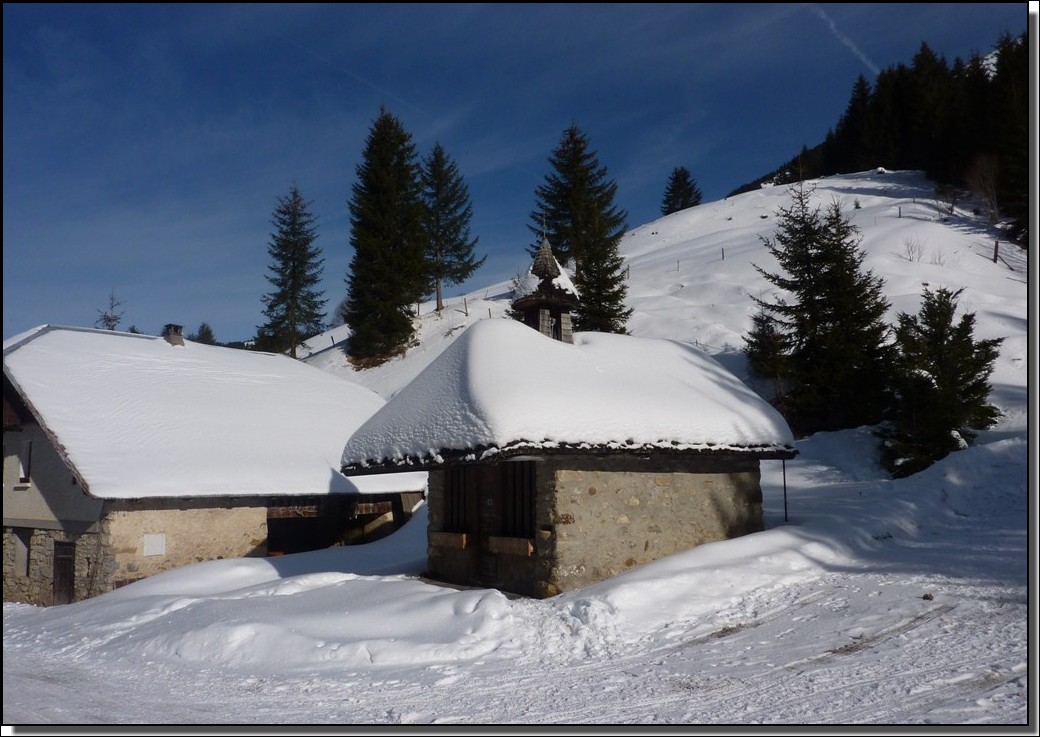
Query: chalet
point(559, 459)
point(127, 455)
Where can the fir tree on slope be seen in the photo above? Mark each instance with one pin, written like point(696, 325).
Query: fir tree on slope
point(295, 308)
point(446, 217)
point(388, 270)
point(575, 211)
point(942, 385)
point(681, 192)
point(824, 339)
point(941, 118)
point(1012, 101)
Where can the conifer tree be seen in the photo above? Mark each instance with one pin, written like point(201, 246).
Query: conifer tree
point(575, 211)
point(846, 151)
point(929, 99)
point(446, 217)
point(824, 339)
point(681, 192)
point(204, 335)
point(942, 384)
point(768, 354)
point(1012, 103)
point(109, 318)
point(295, 308)
point(388, 270)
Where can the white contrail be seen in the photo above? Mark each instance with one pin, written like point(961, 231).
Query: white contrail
point(843, 38)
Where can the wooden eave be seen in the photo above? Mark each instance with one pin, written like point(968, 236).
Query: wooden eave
point(483, 455)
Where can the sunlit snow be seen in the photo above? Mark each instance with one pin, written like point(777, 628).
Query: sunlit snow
point(865, 601)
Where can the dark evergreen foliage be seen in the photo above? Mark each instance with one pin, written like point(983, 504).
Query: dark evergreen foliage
point(575, 211)
point(446, 218)
point(295, 307)
point(681, 192)
point(388, 273)
point(844, 148)
point(938, 117)
point(110, 317)
point(942, 385)
point(768, 352)
point(204, 335)
point(824, 340)
point(1011, 100)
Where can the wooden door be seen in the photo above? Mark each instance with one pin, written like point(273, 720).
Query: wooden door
point(64, 572)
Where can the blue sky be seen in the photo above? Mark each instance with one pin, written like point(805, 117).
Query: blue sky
point(145, 146)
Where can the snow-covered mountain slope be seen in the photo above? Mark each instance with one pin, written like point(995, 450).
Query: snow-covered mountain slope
point(692, 275)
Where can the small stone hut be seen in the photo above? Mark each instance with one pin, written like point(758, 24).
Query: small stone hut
point(554, 465)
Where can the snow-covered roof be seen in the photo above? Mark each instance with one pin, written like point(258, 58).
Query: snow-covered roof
point(503, 388)
point(138, 417)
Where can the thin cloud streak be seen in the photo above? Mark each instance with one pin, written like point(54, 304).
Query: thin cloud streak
point(848, 42)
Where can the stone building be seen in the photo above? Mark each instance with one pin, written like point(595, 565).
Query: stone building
point(557, 464)
point(127, 455)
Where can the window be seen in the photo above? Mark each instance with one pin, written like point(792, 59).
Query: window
point(25, 461)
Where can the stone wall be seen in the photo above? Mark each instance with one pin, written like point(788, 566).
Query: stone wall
point(596, 517)
point(29, 573)
point(607, 521)
point(148, 537)
point(134, 539)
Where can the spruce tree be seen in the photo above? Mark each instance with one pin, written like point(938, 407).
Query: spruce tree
point(295, 308)
point(1011, 88)
point(681, 192)
point(942, 385)
point(446, 217)
point(204, 335)
point(109, 318)
point(575, 211)
point(388, 270)
point(823, 339)
point(929, 100)
point(768, 354)
point(846, 150)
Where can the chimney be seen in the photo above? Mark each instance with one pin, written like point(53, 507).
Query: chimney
point(173, 334)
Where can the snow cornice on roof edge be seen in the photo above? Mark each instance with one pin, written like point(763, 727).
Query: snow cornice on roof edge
point(492, 454)
point(19, 340)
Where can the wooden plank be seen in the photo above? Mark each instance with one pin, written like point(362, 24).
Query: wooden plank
point(455, 540)
point(520, 546)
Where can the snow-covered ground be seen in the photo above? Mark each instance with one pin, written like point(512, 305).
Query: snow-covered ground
point(866, 601)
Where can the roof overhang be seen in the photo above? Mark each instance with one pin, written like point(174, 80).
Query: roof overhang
point(526, 450)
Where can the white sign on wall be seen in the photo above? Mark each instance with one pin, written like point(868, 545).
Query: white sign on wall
point(155, 543)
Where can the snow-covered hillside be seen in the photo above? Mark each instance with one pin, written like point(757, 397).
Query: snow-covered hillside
point(691, 276)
